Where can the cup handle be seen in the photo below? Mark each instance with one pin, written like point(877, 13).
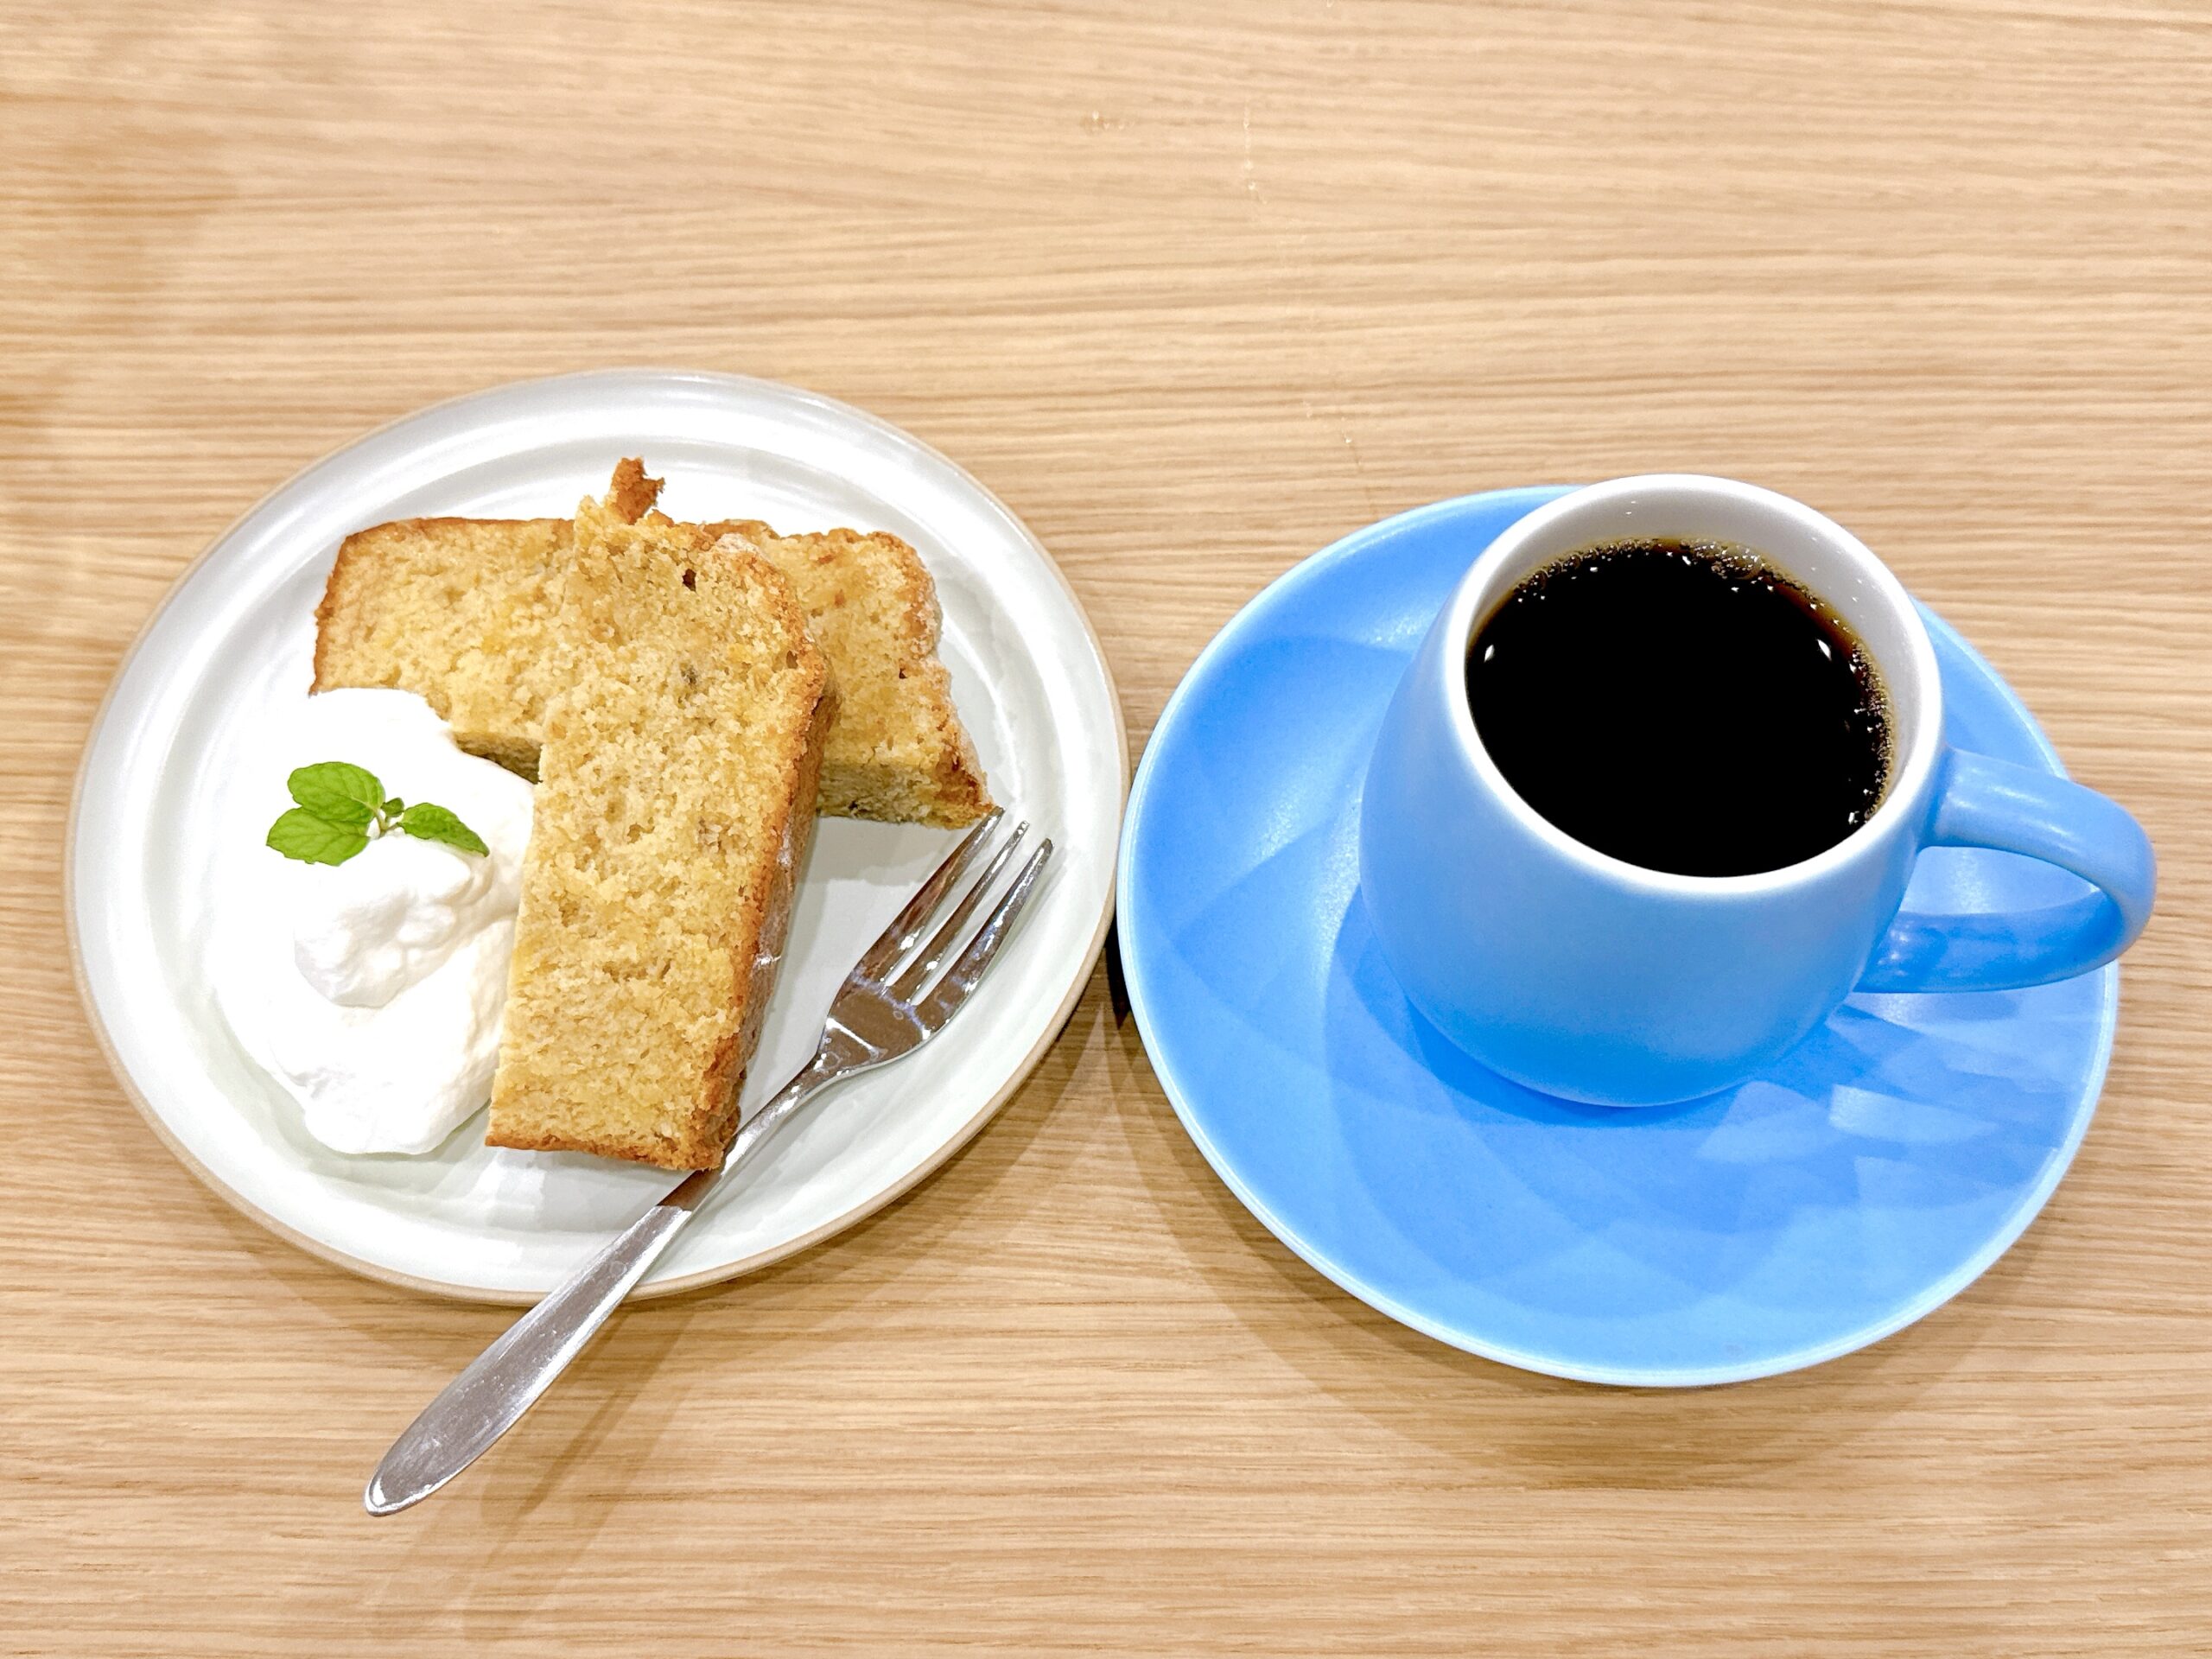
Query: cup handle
point(1982, 802)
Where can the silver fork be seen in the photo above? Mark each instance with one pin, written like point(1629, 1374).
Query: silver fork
point(887, 1008)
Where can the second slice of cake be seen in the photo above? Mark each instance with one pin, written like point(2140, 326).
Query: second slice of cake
point(677, 791)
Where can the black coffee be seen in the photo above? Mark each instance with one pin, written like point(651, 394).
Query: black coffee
point(1682, 706)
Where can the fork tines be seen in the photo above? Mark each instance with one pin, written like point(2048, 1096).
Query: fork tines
point(899, 939)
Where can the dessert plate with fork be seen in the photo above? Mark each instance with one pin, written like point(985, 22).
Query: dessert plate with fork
point(229, 648)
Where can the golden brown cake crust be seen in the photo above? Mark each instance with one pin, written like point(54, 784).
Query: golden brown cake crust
point(773, 932)
point(630, 493)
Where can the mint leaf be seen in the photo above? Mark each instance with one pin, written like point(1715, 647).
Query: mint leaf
point(341, 806)
point(338, 793)
point(300, 834)
point(428, 823)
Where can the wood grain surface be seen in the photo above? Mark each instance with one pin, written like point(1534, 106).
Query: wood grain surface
point(1195, 290)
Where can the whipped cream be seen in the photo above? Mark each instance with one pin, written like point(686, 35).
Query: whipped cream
point(372, 990)
point(393, 914)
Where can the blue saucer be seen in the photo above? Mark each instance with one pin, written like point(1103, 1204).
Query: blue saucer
point(1865, 1180)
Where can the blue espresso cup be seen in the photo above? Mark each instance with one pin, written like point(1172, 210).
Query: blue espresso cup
point(1575, 973)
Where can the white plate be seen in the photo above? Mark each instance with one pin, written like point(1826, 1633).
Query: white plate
point(234, 639)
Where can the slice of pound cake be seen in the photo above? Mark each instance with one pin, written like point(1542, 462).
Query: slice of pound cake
point(461, 611)
point(896, 750)
point(677, 774)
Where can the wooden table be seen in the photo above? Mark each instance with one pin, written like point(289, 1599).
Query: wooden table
point(1196, 290)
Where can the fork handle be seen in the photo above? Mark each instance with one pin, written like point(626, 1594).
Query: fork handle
point(489, 1398)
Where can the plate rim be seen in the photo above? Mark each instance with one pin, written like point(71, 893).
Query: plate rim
point(1225, 641)
point(655, 1289)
